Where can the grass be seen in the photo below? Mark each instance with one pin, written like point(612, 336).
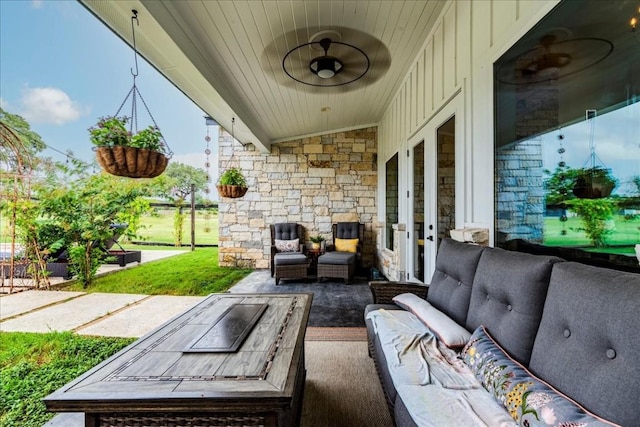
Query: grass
point(621, 241)
point(191, 273)
point(34, 365)
point(159, 228)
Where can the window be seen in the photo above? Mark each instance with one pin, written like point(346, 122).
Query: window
point(568, 115)
point(391, 199)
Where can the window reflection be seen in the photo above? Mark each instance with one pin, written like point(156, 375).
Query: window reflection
point(391, 199)
point(568, 136)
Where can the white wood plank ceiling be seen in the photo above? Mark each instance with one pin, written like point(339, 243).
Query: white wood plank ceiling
point(227, 57)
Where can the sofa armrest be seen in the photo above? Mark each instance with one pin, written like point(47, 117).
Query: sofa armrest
point(383, 292)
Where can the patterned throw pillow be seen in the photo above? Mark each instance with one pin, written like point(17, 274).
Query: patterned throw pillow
point(529, 400)
point(347, 245)
point(288, 245)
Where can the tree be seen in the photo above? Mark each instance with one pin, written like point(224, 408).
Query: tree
point(560, 185)
point(33, 143)
point(86, 210)
point(596, 216)
point(175, 185)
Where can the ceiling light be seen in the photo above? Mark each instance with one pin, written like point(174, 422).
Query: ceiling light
point(325, 66)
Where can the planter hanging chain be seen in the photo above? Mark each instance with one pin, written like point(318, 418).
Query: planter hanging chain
point(230, 162)
point(134, 93)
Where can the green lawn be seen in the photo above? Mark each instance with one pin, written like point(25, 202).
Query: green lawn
point(34, 365)
point(626, 234)
point(191, 273)
point(159, 228)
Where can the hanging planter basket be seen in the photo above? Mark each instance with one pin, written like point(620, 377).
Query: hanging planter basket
point(232, 183)
point(131, 162)
point(594, 183)
point(231, 191)
point(127, 152)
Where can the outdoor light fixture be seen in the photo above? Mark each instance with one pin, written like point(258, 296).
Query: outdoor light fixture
point(344, 65)
point(325, 66)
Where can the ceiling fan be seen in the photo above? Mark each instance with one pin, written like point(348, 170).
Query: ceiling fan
point(340, 57)
point(551, 59)
point(549, 62)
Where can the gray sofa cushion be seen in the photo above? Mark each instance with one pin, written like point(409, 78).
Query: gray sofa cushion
point(337, 258)
point(507, 297)
point(587, 344)
point(450, 287)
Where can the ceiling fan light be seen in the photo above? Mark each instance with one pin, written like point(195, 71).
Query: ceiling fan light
point(325, 67)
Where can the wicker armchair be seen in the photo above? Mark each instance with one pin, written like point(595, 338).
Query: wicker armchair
point(342, 264)
point(288, 265)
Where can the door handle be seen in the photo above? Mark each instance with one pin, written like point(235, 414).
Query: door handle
point(430, 238)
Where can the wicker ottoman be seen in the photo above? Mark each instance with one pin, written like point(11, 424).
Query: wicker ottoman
point(337, 264)
point(290, 265)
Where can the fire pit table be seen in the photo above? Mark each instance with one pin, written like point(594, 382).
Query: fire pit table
point(233, 359)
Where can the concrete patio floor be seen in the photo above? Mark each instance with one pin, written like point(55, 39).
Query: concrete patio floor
point(117, 315)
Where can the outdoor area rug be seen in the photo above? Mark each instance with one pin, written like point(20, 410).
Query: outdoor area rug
point(334, 303)
point(336, 334)
point(342, 387)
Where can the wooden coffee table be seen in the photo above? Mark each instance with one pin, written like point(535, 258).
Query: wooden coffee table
point(233, 359)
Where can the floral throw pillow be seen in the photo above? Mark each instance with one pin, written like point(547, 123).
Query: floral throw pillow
point(287, 245)
point(529, 400)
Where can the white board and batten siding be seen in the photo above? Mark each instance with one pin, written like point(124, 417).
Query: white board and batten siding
point(457, 61)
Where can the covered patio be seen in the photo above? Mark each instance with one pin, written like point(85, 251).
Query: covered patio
point(385, 112)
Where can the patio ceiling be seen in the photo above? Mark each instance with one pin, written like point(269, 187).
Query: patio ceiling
point(227, 56)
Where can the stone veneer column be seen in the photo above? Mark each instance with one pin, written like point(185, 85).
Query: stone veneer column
point(314, 181)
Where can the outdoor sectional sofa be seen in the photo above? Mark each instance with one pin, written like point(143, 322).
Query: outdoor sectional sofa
point(512, 339)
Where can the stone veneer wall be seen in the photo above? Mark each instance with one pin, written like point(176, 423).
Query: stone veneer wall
point(520, 192)
point(314, 181)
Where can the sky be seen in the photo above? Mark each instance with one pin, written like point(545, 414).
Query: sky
point(61, 69)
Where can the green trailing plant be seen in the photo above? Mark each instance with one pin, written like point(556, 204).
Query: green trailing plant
point(233, 176)
point(178, 225)
point(112, 131)
point(596, 216)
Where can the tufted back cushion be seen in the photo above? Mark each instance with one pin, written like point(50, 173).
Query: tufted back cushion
point(507, 297)
point(450, 287)
point(347, 230)
point(286, 231)
point(588, 343)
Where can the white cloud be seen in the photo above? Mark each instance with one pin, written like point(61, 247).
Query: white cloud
point(37, 4)
point(4, 104)
point(49, 105)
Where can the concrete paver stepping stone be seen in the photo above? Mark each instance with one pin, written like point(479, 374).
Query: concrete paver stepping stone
point(71, 314)
point(141, 318)
point(23, 302)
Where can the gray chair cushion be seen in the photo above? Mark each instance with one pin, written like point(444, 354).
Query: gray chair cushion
point(348, 230)
point(290, 258)
point(450, 287)
point(286, 231)
point(507, 297)
point(337, 258)
point(587, 345)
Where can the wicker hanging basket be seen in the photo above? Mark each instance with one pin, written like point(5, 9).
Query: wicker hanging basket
point(121, 153)
point(231, 191)
point(131, 162)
